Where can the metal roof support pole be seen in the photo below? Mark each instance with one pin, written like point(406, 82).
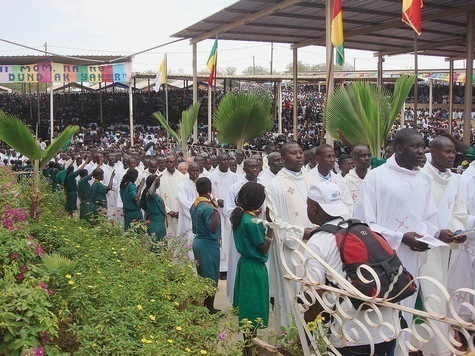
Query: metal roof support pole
point(295, 104)
point(51, 109)
point(468, 81)
point(101, 110)
point(451, 94)
point(416, 75)
point(279, 106)
point(430, 96)
point(330, 80)
point(379, 74)
point(195, 90)
point(131, 115)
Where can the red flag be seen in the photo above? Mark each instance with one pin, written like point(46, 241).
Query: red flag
point(411, 14)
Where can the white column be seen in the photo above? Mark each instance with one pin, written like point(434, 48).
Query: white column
point(131, 115)
point(430, 96)
point(51, 111)
point(295, 104)
point(451, 94)
point(279, 106)
point(195, 90)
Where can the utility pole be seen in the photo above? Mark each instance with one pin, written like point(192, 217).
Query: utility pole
point(271, 57)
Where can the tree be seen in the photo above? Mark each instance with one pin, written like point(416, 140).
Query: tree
point(241, 116)
point(320, 67)
point(362, 113)
point(188, 119)
point(257, 70)
point(19, 137)
point(301, 67)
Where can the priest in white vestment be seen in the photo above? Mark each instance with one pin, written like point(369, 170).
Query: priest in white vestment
point(108, 169)
point(275, 163)
point(462, 260)
point(168, 191)
point(251, 170)
point(323, 172)
point(396, 200)
point(362, 158)
point(286, 197)
point(221, 180)
point(187, 195)
point(452, 215)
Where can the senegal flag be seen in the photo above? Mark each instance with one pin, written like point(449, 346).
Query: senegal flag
point(211, 64)
point(337, 33)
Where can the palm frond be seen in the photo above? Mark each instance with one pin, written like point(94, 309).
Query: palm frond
point(188, 119)
point(18, 136)
point(57, 144)
point(242, 116)
point(55, 261)
point(162, 121)
point(364, 113)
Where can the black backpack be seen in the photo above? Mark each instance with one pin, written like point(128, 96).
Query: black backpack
point(359, 245)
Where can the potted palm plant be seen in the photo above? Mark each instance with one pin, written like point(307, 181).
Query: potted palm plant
point(362, 113)
point(241, 116)
point(19, 137)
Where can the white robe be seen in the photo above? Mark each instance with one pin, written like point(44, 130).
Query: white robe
point(353, 182)
point(451, 214)
point(394, 200)
point(266, 176)
point(186, 196)
point(286, 197)
point(338, 180)
point(112, 213)
point(168, 191)
point(220, 183)
point(462, 260)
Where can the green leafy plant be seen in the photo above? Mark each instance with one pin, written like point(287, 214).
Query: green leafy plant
point(241, 116)
point(19, 137)
point(363, 113)
point(188, 119)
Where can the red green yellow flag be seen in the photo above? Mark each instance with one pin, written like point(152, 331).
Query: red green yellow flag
point(411, 14)
point(337, 33)
point(211, 64)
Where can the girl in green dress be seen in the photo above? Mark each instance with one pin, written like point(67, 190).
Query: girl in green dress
point(71, 187)
point(251, 288)
point(130, 196)
point(154, 208)
point(207, 229)
point(84, 193)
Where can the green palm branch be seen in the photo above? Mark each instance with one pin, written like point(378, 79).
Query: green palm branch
point(188, 119)
point(241, 116)
point(19, 137)
point(364, 114)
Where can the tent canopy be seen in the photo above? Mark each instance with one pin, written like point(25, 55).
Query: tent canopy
point(368, 25)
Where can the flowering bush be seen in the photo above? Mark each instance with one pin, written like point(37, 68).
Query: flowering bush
point(72, 287)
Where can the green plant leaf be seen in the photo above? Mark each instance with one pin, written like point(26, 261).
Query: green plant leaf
point(18, 136)
point(241, 116)
point(57, 144)
point(55, 261)
point(162, 121)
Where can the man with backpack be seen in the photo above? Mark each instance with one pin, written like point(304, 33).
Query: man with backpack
point(325, 208)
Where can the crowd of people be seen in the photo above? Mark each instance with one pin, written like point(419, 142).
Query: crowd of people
point(235, 207)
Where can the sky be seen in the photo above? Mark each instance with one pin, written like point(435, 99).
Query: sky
point(119, 27)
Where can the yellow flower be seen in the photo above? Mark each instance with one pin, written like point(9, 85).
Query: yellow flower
point(148, 341)
point(151, 336)
point(179, 328)
point(177, 304)
point(68, 276)
point(152, 300)
point(122, 249)
point(203, 352)
point(144, 340)
point(320, 319)
point(187, 349)
point(311, 325)
point(71, 282)
point(170, 341)
point(78, 273)
point(139, 307)
point(152, 317)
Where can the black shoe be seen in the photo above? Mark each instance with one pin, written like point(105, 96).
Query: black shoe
point(223, 276)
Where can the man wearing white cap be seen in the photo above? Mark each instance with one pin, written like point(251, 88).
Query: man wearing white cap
point(325, 206)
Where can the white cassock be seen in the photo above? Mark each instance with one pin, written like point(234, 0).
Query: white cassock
point(119, 211)
point(220, 184)
point(286, 197)
point(111, 194)
point(233, 254)
point(353, 182)
point(266, 176)
point(168, 191)
point(240, 169)
point(338, 180)
point(187, 195)
point(451, 214)
point(394, 200)
point(462, 260)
